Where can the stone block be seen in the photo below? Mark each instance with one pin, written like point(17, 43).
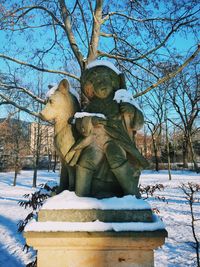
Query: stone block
point(86, 215)
point(105, 249)
point(116, 232)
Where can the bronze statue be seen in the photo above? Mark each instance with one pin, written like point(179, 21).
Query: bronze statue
point(104, 157)
point(62, 105)
point(109, 158)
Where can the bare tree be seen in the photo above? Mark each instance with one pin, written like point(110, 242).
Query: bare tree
point(61, 38)
point(17, 141)
point(13, 143)
point(192, 192)
point(185, 97)
point(37, 132)
point(154, 116)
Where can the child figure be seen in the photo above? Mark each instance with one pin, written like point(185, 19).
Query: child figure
point(110, 139)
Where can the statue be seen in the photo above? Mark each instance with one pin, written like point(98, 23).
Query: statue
point(62, 105)
point(104, 158)
point(99, 161)
point(108, 149)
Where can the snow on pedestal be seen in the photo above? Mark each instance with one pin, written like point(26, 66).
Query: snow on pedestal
point(69, 200)
point(96, 226)
point(60, 241)
point(68, 207)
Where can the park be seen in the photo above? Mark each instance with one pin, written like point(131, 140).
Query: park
point(99, 133)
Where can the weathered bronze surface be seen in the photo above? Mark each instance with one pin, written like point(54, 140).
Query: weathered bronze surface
point(109, 164)
point(104, 160)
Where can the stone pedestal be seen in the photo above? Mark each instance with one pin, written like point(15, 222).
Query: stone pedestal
point(65, 238)
point(95, 249)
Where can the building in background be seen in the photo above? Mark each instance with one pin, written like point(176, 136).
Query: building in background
point(26, 141)
point(44, 134)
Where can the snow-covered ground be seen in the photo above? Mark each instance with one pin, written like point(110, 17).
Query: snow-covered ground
point(176, 252)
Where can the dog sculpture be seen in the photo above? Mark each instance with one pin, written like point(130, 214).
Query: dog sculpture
point(61, 106)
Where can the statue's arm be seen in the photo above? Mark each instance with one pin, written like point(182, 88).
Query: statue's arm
point(135, 115)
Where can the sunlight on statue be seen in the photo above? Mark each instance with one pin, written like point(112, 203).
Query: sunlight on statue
point(103, 158)
point(62, 105)
point(109, 163)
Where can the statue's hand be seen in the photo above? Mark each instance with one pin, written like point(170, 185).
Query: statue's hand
point(126, 107)
point(97, 120)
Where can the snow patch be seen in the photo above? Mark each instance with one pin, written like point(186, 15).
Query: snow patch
point(79, 115)
point(96, 226)
point(51, 91)
point(123, 95)
point(69, 200)
point(87, 114)
point(106, 63)
point(175, 212)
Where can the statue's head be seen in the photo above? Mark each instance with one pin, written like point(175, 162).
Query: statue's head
point(101, 81)
point(59, 102)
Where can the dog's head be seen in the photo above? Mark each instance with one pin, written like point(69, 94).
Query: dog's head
point(59, 102)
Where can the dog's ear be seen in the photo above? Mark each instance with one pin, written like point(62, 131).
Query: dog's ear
point(63, 86)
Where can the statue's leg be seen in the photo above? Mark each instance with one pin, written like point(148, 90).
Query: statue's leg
point(127, 176)
point(71, 178)
point(64, 179)
point(83, 181)
point(87, 164)
point(128, 179)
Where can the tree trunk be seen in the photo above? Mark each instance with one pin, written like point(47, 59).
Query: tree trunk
point(37, 154)
point(185, 153)
point(35, 177)
point(155, 153)
point(35, 170)
point(196, 168)
point(168, 153)
point(15, 175)
point(145, 143)
point(55, 162)
point(49, 161)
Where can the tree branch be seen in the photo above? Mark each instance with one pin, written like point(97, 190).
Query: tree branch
point(38, 68)
point(144, 20)
point(4, 103)
point(18, 106)
point(147, 53)
point(25, 90)
point(30, 8)
point(84, 22)
point(97, 21)
point(30, 27)
point(170, 75)
point(176, 124)
point(68, 29)
point(161, 43)
point(119, 57)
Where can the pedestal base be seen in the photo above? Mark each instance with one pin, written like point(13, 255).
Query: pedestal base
point(115, 232)
point(94, 249)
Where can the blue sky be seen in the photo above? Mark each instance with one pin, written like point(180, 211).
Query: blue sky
point(184, 44)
